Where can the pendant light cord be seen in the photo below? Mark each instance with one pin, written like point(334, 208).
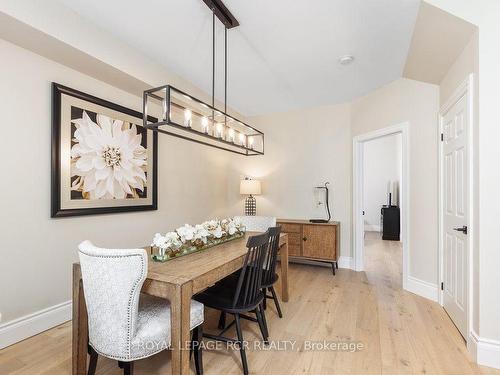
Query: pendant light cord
point(225, 73)
point(213, 69)
point(213, 66)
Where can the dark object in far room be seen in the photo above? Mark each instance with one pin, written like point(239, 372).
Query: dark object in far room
point(327, 205)
point(390, 222)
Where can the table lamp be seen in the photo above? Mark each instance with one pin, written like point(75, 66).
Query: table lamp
point(250, 187)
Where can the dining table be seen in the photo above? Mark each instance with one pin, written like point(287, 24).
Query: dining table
point(177, 280)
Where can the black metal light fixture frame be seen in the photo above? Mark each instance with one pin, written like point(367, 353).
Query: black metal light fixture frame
point(166, 97)
point(167, 125)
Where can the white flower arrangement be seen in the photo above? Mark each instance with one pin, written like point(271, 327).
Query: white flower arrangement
point(214, 228)
point(231, 227)
point(186, 233)
point(169, 241)
point(201, 234)
point(198, 236)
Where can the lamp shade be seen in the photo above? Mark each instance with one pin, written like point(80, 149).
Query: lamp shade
point(250, 187)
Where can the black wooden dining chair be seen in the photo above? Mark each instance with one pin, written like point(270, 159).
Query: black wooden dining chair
point(241, 297)
point(269, 275)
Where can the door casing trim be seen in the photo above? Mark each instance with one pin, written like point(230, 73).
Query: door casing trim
point(358, 222)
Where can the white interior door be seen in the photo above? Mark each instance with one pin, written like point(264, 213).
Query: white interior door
point(455, 213)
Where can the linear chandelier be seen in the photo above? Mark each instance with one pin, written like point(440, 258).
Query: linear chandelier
point(184, 116)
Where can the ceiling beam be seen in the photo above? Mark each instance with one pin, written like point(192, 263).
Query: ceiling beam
point(222, 13)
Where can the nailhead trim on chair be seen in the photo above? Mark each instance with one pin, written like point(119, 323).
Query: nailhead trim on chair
point(129, 312)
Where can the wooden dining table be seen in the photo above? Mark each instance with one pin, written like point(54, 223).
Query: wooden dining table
point(176, 280)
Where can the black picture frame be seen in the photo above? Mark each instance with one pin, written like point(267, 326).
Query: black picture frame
point(56, 210)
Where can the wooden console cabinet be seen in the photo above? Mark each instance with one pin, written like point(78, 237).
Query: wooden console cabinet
point(312, 241)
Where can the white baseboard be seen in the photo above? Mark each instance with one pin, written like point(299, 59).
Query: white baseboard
point(372, 228)
point(422, 288)
point(346, 262)
point(486, 352)
point(31, 325)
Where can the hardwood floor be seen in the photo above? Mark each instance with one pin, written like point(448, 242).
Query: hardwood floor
point(401, 332)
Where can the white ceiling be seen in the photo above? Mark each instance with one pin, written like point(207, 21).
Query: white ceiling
point(284, 55)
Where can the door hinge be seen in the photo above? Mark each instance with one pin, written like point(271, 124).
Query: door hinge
point(442, 286)
point(463, 229)
point(442, 137)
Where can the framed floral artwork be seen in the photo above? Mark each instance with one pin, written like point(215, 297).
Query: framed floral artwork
point(103, 160)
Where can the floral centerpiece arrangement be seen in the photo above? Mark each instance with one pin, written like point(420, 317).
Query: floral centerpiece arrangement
point(189, 239)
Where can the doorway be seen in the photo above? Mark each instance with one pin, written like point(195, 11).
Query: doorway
point(382, 169)
point(402, 191)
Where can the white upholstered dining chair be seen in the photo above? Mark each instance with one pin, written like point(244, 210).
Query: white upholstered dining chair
point(124, 324)
point(257, 223)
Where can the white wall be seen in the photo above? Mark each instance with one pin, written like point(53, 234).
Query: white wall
point(485, 14)
point(307, 147)
point(459, 71)
point(382, 163)
point(37, 251)
point(417, 103)
point(303, 149)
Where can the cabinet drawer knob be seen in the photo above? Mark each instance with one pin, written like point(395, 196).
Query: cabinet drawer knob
point(304, 238)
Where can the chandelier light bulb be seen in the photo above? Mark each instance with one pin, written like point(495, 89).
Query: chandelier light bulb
point(164, 110)
point(219, 130)
point(204, 125)
point(187, 118)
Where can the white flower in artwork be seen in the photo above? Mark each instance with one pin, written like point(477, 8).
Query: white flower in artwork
point(186, 233)
point(107, 158)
